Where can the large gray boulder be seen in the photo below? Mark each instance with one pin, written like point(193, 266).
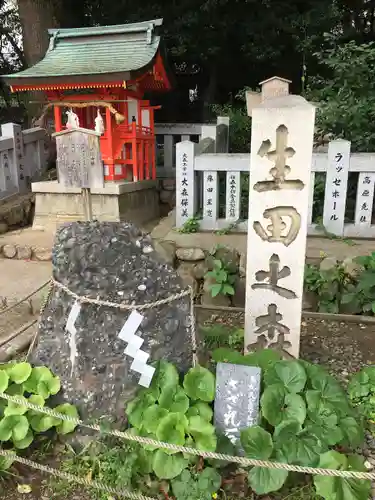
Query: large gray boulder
point(113, 262)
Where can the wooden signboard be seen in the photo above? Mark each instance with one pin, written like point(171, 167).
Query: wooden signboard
point(79, 162)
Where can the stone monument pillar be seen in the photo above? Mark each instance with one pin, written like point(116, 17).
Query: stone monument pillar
point(280, 163)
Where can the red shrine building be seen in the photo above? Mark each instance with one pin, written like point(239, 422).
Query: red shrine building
point(102, 75)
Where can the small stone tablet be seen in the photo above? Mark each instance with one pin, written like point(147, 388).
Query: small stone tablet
point(237, 399)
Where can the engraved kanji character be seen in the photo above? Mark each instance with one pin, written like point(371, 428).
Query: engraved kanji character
point(334, 217)
point(184, 181)
point(282, 345)
point(210, 190)
point(336, 194)
point(184, 192)
point(184, 157)
point(367, 180)
point(273, 276)
point(210, 178)
point(366, 192)
point(362, 218)
point(364, 206)
point(279, 157)
point(270, 323)
point(209, 213)
point(337, 182)
point(184, 202)
point(277, 225)
point(184, 212)
point(209, 201)
point(339, 168)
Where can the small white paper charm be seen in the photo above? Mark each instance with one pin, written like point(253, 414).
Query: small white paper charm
point(71, 329)
point(133, 349)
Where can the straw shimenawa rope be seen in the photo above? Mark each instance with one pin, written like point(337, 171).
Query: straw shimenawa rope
point(245, 462)
point(40, 121)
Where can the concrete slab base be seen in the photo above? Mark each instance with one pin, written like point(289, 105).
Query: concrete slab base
point(134, 201)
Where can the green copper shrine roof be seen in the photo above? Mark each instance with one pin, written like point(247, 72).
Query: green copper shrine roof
point(103, 51)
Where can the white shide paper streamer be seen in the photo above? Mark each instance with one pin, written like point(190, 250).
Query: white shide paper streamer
point(71, 329)
point(133, 349)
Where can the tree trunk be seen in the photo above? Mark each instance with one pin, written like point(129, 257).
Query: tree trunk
point(37, 16)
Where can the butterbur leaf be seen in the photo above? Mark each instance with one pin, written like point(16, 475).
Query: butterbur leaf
point(300, 449)
point(353, 431)
point(25, 442)
point(198, 426)
point(15, 408)
point(166, 375)
point(171, 429)
point(257, 442)
point(174, 399)
point(263, 358)
point(19, 372)
point(5, 463)
point(209, 481)
point(199, 383)
point(182, 484)
point(226, 355)
point(339, 488)
point(13, 427)
point(42, 381)
point(136, 408)
point(152, 417)
point(4, 380)
point(202, 410)
point(168, 466)
point(279, 405)
point(42, 423)
point(289, 374)
point(65, 427)
point(205, 442)
point(265, 481)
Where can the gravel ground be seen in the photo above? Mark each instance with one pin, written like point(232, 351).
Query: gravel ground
point(342, 347)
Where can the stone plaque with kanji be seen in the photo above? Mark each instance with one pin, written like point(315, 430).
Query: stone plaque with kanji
point(237, 399)
point(79, 162)
point(281, 151)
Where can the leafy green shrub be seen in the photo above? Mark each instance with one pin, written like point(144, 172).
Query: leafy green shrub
point(223, 279)
point(305, 413)
point(178, 414)
point(190, 226)
point(330, 286)
point(18, 424)
point(361, 390)
point(361, 294)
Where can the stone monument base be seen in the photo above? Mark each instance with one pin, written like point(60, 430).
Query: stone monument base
point(55, 204)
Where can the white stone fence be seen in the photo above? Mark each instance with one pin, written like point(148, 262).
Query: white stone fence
point(169, 134)
point(22, 158)
point(197, 178)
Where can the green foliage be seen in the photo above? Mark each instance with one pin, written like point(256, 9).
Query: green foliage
point(223, 280)
point(198, 486)
point(178, 414)
point(240, 123)
point(218, 335)
point(18, 424)
point(347, 94)
point(190, 226)
point(361, 294)
point(305, 412)
point(361, 391)
point(330, 286)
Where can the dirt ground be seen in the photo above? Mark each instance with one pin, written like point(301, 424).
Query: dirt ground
point(342, 347)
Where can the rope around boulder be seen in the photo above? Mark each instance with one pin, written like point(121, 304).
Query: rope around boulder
point(119, 305)
point(245, 462)
point(74, 479)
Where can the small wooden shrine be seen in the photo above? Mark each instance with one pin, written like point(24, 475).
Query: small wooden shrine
point(97, 78)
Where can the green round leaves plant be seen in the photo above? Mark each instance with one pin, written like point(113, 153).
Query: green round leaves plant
point(199, 383)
